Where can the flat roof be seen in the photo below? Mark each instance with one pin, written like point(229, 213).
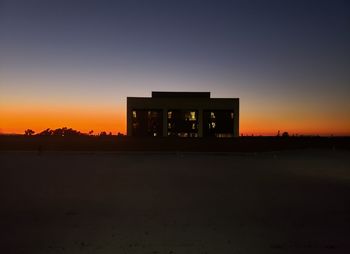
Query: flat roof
point(180, 94)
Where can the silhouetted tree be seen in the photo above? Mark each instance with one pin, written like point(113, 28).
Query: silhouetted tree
point(285, 134)
point(90, 132)
point(60, 132)
point(29, 132)
point(103, 133)
point(47, 132)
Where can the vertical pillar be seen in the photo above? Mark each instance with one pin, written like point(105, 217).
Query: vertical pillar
point(165, 122)
point(200, 123)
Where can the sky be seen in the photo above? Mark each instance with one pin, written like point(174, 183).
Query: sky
point(73, 63)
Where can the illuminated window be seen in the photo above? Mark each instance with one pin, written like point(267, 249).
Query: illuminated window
point(154, 134)
point(193, 115)
point(169, 125)
point(134, 114)
point(213, 125)
point(193, 126)
point(212, 115)
point(170, 113)
point(231, 115)
point(149, 113)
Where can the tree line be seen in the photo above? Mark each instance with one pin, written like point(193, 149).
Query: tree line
point(66, 132)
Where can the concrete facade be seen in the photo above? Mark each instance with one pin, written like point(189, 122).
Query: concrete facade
point(199, 103)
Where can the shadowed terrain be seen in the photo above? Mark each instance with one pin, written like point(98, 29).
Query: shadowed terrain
point(124, 143)
point(110, 202)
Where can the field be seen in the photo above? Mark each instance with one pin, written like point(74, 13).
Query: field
point(293, 201)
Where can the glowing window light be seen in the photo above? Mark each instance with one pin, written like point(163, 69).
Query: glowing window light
point(193, 115)
point(212, 115)
point(134, 114)
point(170, 113)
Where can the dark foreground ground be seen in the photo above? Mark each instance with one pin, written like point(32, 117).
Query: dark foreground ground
point(123, 143)
point(109, 202)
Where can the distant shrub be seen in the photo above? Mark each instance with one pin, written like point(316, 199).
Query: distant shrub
point(285, 134)
point(47, 132)
point(103, 134)
point(29, 132)
point(60, 132)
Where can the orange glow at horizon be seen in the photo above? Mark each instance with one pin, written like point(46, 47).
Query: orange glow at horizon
point(302, 125)
point(16, 120)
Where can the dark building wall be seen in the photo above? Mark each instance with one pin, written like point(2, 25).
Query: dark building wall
point(180, 103)
point(181, 95)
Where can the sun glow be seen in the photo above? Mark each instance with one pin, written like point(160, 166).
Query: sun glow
point(16, 120)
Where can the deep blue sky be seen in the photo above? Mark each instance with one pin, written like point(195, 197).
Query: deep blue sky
point(286, 60)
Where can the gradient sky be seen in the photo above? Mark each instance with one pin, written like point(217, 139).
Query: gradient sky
point(73, 63)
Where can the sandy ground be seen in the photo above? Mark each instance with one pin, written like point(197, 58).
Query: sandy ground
point(86, 202)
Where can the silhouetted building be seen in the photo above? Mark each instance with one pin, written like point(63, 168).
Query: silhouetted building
point(182, 114)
